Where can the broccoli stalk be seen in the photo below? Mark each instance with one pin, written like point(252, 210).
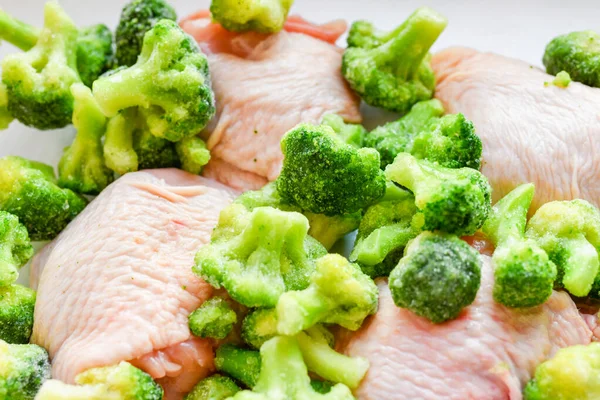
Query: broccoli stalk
point(569, 231)
point(193, 154)
point(213, 319)
point(241, 364)
point(5, 116)
point(23, 369)
point(396, 74)
point(247, 15)
point(438, 276)
point(169, 85)
point(119, 153)
point(15, 248)
point(576, 54)
point(17, 33)
point(16, 314)
point(456, 201)
point(215, 387)
point(339, 293)
point(523, 274)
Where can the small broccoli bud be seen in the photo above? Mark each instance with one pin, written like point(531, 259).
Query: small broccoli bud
point(569, 231)
point(5, 116)
point(523, 273)
point(28, 190)
point(575, 53)
point(215, 387)
point(438, 276)
point(572, 374)
point(365, 35)
point(94, 52)
point(38, 81)
point(396, 74)
point(322, 174)
point(259, 326)
point(169, 84)
point(452, 200)
point(16, 314)
point(352, 134)
point(247, 15)
point(193, 154)
point(137, 18)
point(153, 152)
point(241, 364)
point(15, 248)
point(17, 33)
point(561, 80)
point(213, 319)
point(23, 369)
point(339, 293)
point(119, 153)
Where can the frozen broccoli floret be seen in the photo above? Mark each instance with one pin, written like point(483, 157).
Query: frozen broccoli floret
point(169, 84)
point(569, 231)
point(16, 32)
point(215, 387)
point(122, 381)
point(352, 134)
point(339, 293)
point(578, 54)
point(137, 18)
point(28, 190)
point(82, 168)
point(523, 274)
point(94, 52)
point(193, 154)
point(396, 73)
point(16, 313)
point(15, 248)
point(438, 276)
point(258, 255)
point(241, 364)
point(23, 369)
point(259, 326)
point(267, 16)
point(452, 200)
point(213, 319)
point(284, 375)
point(324, 175)
point(365, 35)
point(5, 116)
point(38, 81)
point(572, 374)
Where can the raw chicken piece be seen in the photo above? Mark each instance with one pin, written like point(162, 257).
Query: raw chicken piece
point(489, 352)
point(264, 86)
point(117, 283)
point(531, 132)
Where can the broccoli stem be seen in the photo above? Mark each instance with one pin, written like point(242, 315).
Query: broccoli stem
point(580, 265)
point(507, 223)
point(300, 310)
point(374, 248)
point(18, 33)
point(125, 89)
point(240, 364)
point(119, 154)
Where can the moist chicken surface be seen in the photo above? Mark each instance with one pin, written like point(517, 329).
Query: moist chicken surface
point(117, 285)
point(531, 132)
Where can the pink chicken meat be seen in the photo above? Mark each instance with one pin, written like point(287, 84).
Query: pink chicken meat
point(489, 352)
point(117, 285)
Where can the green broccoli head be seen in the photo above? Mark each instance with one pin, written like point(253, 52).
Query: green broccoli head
point(137, 18)
point(82, 168)
point(438, 276)
point(397, 73)
point(215, 387)
point(193, 154)
point(169, 84)
point(259, 326)
point(365, 35)
point(5, 116)
point(578, 54)
point(524, 275)
point(38, 81)
point(569, 231)
point(16, 313)
point(284, 375)
point(456, 201)
point(339, 293)
point(324, 175)
point(15, 248)
point(258, 255)
point(28, 190)
point(241, 364)
point(16, 32)
point(572, 374)
point(23, 369)
point(352, 134)
point(213, 319)
point(152, 151)
point(247, 15)
point(94, 52)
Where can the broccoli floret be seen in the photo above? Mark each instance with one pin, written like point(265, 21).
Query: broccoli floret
point(215, 387)
point(352, 134)
point(248, 15)
point(94, 52)
point(523, 274)
point(259, 326)
point(569, 231)
point(365, 35)
point(153, 152)
point(16, 32)
point(339, 293)
point(23, 369)
point(193, 154)
point(122, 381)
point(137, 18)
point(578, 54)
point(452, 200)
point(258, 255)
point(241, 364)
point(15, 248)
point(5, 116)
point(213, 319)
point(572, 374)
point(397, 73)
point(438, 276)
point(28, 190)
point(324, 175)
point(169, 84)
point(16, 313)
point(82, 167)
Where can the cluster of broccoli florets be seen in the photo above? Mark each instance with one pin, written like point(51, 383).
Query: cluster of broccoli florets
point(266, 16)
point(23, 370)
